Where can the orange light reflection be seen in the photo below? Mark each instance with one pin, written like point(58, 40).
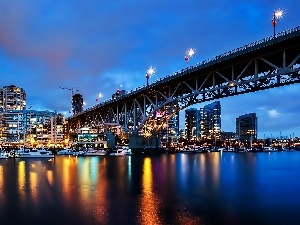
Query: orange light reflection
point(50, 177)
point(149, 210)
point(216, 168)
point(33, 186)
point(21, 178)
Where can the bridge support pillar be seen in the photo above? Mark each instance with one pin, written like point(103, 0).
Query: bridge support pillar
point(142, 144)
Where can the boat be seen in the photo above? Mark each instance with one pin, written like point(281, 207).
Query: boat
point(33, 153)
point(4, 155)
point(94, 152)
point(269, 149)
point(126, 150)
point(121, 150)
point(66, 151)
point(78, 152)
point(117, 152)
point(188, 150)
point(199, 150)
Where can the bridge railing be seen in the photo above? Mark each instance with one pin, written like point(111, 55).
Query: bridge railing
point(232, 53)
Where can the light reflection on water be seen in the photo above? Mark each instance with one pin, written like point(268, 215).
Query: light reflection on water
point(149, 203)
point(212, 188)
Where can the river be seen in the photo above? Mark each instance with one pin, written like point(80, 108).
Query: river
point(208, 188)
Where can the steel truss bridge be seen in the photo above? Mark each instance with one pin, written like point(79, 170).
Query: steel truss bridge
point(271, 62)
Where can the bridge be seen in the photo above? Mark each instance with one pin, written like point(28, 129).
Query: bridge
point(268, 63)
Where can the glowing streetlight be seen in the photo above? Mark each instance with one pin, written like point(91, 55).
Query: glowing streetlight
point(278, 14)
point(189, 54)
point(150, 72)
point(100, 95)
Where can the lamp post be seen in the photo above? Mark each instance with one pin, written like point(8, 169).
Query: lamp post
point(276, 16)
point(189, 54)
point(149, 73)
point(100, 95)
point(147, 77)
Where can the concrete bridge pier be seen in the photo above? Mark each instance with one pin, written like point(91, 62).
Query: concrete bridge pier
point(146, 145)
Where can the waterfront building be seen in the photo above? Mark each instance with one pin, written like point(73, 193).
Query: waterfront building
point(192, 124)
point(91, 138)
point(77, 103)
point(19, 126)
point(13, 129)
point(228, 138)
point(246, 128)
point(12, 98)
point(56, 132)
point(12, 104)
point(38, 126)
point(210, 121)
point(31, 127)
point(170, 130)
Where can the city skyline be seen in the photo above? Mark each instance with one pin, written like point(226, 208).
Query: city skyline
point(98, 48)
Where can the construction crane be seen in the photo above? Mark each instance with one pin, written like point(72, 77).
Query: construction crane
point(72, 92)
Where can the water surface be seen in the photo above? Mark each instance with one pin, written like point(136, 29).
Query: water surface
point(210, 188)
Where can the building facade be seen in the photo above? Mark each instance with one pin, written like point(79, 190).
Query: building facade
point(246, 128)
point(13, 128)
point(192, 124)
point(31, 128)
point(44, 128)
point(77, 103)
point(12, 98)
point(170, 131)
point(210, 122)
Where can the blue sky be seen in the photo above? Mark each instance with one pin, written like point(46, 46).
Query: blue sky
point(99, 45)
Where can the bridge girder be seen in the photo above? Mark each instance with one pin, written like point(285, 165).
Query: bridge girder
point(271, 63)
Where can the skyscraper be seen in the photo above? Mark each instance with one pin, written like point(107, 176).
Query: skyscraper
point(246, 127)
point(170, 130)
point(77, 103)
point(12, 98)
point(192, 124)
point(12, 104)
point(210, 122)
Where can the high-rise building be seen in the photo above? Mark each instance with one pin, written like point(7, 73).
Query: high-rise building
point(210, 122)
point(192, 124)
point(12, 98)
point(13, 126)
point(77, 103)
point(170, 130)
point(44, 128)
point(246, 127)
point(31, 127)
point(19, 126)
point(56, 131)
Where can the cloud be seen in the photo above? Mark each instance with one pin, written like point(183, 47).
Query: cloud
point(273, 113)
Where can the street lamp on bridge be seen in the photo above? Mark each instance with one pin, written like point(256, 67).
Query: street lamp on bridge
point(100, 95)
point(150, 72)
point(276, 16)
point(189, 54)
